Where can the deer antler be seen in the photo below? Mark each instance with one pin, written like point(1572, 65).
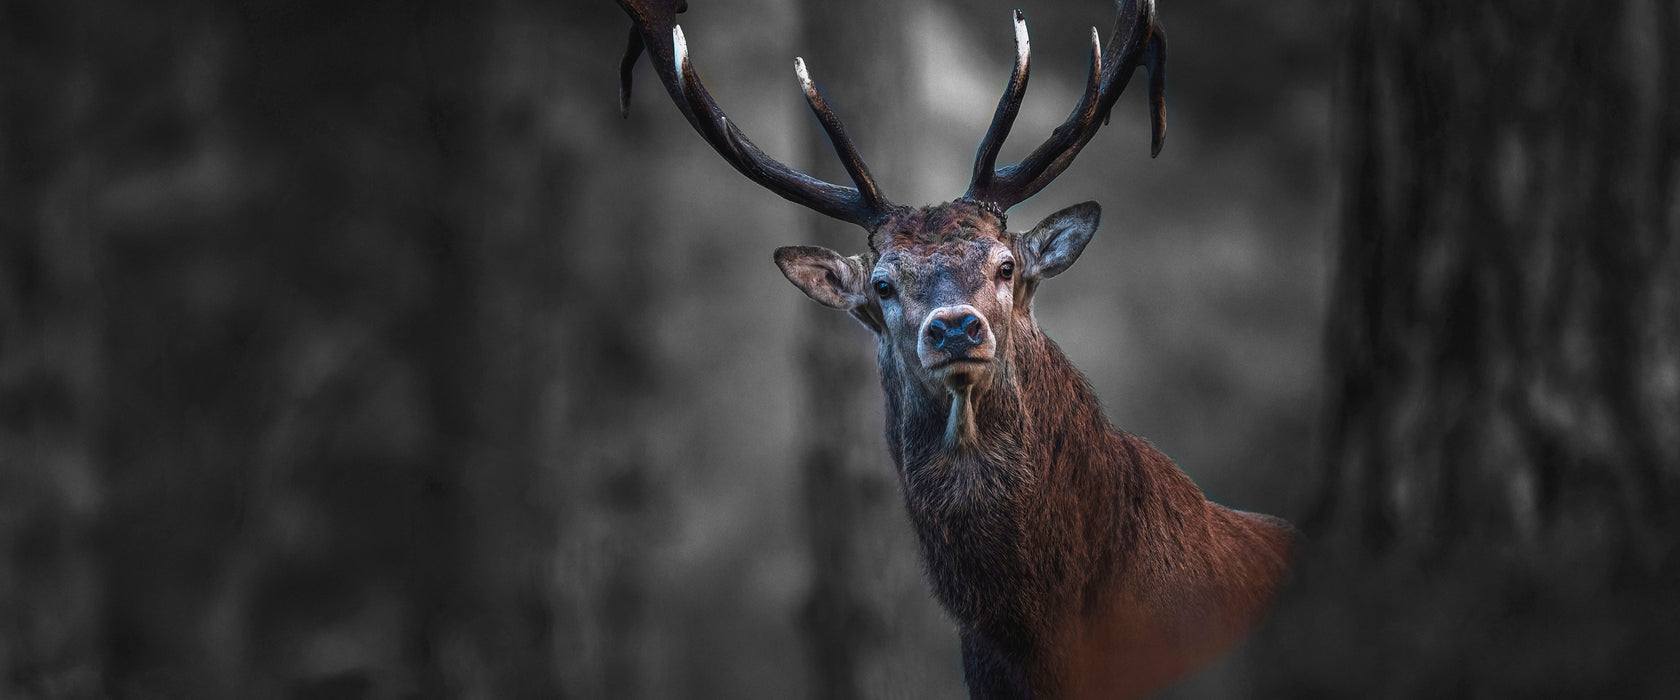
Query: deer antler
point(656, 31)
point(1138, 40)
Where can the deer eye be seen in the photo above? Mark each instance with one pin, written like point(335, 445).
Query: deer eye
point(1007, 269)
point(884, 289)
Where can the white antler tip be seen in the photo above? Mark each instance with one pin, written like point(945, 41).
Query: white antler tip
point(1021, 41)
point(679, 48)
point(799, 70)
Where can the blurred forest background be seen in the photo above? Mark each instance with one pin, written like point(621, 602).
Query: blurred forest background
point(363, 350)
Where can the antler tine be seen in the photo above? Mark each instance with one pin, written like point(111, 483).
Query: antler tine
point(1138, 41)
point(1155, 59)
point(656, 30)
point(1008, 106)
point(836, 131)
point(627, 70)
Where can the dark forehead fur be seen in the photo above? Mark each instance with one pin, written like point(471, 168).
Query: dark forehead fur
point(934, 225)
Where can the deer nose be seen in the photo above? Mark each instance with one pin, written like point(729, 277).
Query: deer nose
point(954, 331)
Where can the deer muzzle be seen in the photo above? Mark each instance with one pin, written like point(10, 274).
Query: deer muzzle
point(956, 344)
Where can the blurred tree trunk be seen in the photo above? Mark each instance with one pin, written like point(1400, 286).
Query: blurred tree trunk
point(857, 56)
point(53, 412)
point(1503, 430)
point(614, 494)
point(1504, 338)
point(245, 356)
point(482, 543)
point(607, 394)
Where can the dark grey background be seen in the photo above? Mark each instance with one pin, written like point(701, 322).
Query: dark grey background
point(364, 350)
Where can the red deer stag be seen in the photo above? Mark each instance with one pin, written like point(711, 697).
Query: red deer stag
point(1078, 561)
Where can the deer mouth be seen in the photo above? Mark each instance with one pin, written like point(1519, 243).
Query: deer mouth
point(958, 372)
point(960, 362)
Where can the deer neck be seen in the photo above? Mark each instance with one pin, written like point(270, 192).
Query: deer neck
point(981, 472)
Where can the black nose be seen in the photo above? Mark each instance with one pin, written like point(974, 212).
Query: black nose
point(955, 333)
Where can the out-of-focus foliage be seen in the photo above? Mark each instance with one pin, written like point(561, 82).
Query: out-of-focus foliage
point(363, 350)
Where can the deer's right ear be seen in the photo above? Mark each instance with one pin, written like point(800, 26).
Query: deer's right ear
point(823, 275)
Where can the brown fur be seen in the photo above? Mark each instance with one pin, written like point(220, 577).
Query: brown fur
point(1077, 559)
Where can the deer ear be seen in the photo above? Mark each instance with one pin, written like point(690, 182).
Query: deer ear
point(823, 275)
point(1057, 241)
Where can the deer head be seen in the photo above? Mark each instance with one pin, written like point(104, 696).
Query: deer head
point(945, 288)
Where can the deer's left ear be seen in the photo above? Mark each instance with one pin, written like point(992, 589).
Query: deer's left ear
point(1057, 241)
point(823, 275)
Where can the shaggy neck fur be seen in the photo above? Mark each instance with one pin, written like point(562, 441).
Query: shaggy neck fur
point(986, 475)
point(1051, 536)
